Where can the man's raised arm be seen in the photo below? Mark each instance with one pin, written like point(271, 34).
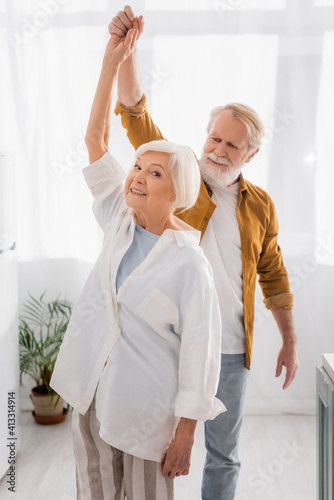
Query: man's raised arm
point(131, 104)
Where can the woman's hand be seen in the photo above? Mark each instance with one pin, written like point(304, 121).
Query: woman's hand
point(176, 461)
point(130, 90)
point(124, 21)
point(123, 25)
point(119, 48)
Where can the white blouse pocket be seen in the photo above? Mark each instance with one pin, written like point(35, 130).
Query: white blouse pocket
point(159, 312)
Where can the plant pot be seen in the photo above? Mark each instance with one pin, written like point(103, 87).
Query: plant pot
point(50, 420)
point(43, 405)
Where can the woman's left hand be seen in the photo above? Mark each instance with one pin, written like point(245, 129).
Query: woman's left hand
point(176, 461)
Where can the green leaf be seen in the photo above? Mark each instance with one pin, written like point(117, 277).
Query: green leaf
point(42, 327)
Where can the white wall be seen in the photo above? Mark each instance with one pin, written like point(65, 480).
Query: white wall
point(314, 317)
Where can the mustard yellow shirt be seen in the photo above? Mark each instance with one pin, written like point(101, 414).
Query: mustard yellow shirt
point(257, 221)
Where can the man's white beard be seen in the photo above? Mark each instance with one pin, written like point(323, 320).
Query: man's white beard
point(217, 176)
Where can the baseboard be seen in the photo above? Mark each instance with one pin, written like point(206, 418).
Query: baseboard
point(252, 406)
point(306, 406)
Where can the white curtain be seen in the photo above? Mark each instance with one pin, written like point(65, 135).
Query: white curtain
point(275, 55)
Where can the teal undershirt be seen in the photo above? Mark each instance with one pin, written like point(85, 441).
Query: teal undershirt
point(142, 243)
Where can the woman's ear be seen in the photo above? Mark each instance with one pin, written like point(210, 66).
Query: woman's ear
point(173, 198)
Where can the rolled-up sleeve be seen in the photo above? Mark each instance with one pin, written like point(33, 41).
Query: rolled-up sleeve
point(138, 123)
point(284, 300)
point(273, 276)
point(199, 362)
point(105, 181)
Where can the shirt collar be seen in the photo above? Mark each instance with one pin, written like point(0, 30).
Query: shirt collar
point(242, 183)
point(188, 236)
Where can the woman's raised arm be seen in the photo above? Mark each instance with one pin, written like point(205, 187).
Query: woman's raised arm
point(98, 129)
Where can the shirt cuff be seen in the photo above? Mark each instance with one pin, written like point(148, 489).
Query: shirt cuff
point(138, 110)
point(284, 300)
point(197, 406)
point(102, 170)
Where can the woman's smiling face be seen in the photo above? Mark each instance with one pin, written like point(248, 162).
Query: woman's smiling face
point(149, 187)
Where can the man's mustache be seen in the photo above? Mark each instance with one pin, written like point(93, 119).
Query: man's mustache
point(216, 159)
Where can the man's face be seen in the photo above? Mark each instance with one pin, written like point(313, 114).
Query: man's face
point(226, 150)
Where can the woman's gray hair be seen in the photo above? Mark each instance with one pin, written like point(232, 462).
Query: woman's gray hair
point(246, 115)
point(183, 169)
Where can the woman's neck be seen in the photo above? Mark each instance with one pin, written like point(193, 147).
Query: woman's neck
point(157, 226)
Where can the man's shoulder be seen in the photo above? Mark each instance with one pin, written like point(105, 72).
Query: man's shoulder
point(258, 193)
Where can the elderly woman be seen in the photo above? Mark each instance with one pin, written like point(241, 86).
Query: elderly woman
point(140, 360)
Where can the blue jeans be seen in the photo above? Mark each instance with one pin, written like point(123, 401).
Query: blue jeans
point(222, 464)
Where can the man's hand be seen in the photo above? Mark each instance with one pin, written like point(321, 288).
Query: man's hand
point(287, 357)
point(124, 21)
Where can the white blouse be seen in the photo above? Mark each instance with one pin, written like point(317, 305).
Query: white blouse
point(154, 347)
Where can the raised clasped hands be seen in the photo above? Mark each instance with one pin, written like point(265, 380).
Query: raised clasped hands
point(125, 29)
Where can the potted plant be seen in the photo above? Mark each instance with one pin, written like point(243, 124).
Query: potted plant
point(42, 326)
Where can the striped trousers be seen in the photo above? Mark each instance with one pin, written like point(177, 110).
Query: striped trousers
point(105, 473)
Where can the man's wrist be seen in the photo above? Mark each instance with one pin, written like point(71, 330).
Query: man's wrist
point(290, 340)
point(131, 59)
point(289, 337)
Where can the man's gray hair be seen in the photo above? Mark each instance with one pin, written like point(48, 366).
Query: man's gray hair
point(183, 169)
point(246, 115)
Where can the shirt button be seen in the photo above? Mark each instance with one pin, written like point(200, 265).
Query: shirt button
point(206, 218)
point(141, 271)
point(158, 247)
point(109, 362)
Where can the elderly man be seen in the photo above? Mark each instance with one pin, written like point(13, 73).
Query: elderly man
point(239, 237)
